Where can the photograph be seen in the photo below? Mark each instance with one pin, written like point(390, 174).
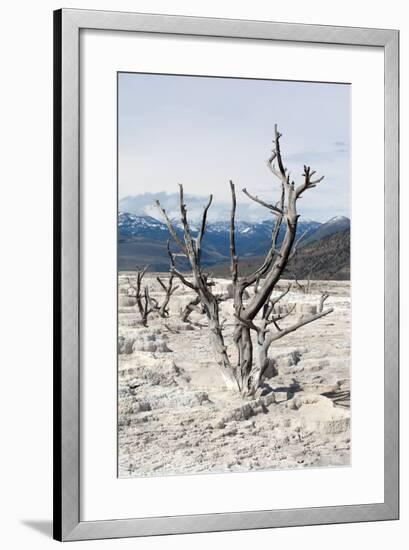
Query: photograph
point(233, 255)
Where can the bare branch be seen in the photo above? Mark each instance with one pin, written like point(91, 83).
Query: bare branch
point(272, 253)
point(282, 295)
point(268, 309)
point(162, 284)
point(183, 213)
point(171, 228)
point(247, 323)
point(272, 338)
point(281, 316)
point(185, 281)
point(296, 243)
point(323, 298)
point(149, 301)
point(233, 255)
point(203, 226)
point(277, 137)
point(308, 182)
point(176, 271)
point(169, 290)
point(274, 321)
point(271, 207)
point(281, 173)
point(262, 270)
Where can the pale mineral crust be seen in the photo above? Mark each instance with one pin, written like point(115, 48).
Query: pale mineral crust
point(176, 417)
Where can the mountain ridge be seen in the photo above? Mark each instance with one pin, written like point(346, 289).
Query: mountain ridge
point(142, 239)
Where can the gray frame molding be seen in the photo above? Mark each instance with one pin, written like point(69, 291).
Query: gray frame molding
point(67, 25)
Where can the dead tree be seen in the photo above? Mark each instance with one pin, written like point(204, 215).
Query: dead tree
point(146, 305)
point(169, 289)
point(135, 289)
point(149, 305)
point(244, 370)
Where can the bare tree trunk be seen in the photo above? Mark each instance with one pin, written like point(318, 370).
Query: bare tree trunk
point(148, 306)
point(223, 360)
point(244, 346)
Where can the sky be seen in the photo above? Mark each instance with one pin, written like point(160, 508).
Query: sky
point(204, 131)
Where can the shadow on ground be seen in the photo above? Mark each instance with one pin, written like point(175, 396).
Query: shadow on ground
point(43, 526)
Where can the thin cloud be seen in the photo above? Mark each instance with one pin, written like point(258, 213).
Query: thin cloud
point(202, 132)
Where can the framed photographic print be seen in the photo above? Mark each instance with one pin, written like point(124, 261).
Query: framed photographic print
point(226, 274)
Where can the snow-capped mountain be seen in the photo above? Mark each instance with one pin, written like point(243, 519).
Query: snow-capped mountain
point(131, 225)
point(337, 224)
point(147, 236)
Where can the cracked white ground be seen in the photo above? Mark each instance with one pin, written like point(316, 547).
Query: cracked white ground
point(176, 417)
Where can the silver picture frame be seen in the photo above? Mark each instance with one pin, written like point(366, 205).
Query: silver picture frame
point(67, 26)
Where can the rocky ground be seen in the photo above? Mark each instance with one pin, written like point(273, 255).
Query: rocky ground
point(176, 417)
